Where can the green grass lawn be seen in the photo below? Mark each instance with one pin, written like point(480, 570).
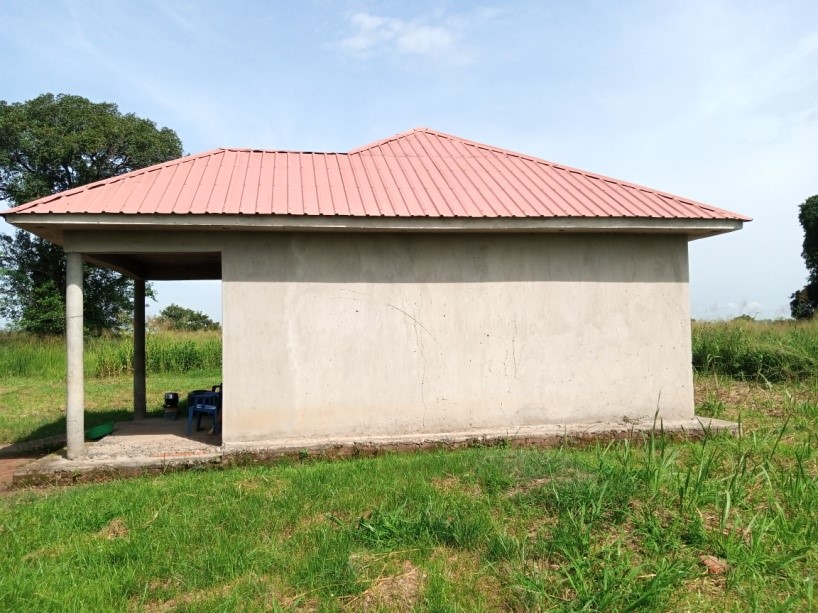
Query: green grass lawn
point(32, 378)
point(34, 407)
point(607, 526)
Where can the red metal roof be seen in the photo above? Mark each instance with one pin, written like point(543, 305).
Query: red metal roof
point(420, 173)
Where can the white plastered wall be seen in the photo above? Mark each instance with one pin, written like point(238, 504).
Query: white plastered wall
point(356, 335)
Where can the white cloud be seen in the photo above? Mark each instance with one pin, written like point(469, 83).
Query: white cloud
point(375, 34)
point(425, 40)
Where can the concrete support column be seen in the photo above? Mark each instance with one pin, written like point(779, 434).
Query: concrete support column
point(139, 397)
point(75, 401)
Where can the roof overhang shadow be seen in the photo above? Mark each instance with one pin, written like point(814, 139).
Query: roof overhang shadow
point(165, 266)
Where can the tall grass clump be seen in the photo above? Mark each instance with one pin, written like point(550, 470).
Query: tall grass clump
point(747, 349)
point(165, 352)
point(22, 355)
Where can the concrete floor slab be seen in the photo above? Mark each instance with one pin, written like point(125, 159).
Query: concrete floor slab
point(150, 445)
point(531, 436)
point(157, 445)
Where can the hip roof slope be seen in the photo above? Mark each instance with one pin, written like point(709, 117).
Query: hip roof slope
point(419, 173)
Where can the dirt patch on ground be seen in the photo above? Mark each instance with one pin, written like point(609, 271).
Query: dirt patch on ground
point(567, 474)
point(399, 592)
point(452, 483)
point(116, 529)
point(466, 568)
point(14, 456)
point(271, 596)
point(9, 466)
point(529, 485)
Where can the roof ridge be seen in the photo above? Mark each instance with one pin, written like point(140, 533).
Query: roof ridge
point(538, 160)
point(397, 136)
point(259, 150)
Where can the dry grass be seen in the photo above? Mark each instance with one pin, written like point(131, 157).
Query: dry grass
point(115, 529)
point(400, 591)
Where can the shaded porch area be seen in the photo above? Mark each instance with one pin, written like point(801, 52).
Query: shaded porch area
point(142, 262)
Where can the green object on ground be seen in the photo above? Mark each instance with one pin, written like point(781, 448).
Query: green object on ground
point(97, 432)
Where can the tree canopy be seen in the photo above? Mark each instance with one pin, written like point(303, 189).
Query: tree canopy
point(53, 143)
point(804, 302)
point(50, 144)
point(175, 317)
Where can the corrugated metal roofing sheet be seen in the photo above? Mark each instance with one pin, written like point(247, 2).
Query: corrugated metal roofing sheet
point(420, 173)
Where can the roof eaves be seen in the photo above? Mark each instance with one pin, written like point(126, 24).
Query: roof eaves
point(67, 221)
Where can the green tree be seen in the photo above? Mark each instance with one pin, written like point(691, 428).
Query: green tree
point(175, 317)
point(50, 144)
point(804, 302)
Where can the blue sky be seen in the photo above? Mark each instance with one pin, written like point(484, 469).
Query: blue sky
point(712, 100)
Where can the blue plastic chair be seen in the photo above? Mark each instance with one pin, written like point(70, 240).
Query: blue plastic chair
point(201, 403)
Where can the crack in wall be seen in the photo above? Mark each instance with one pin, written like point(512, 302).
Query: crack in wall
point(514, 376)
point(419, 344)
point(414, 319)
point(514, 348)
